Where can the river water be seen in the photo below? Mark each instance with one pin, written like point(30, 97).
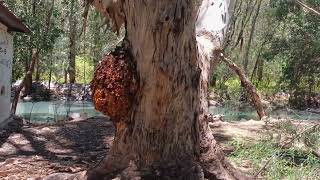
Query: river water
point(234, 114)
point(53, 111)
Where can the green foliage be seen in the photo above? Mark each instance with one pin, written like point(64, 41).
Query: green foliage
point(300, 48)
point(34, 15)
point(284, 54)
point(282, 8)
point(312, 138)
point(54, 46)
point(84, 69)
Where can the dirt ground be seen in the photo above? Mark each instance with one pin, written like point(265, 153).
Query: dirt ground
point(251, 130)
point(31, 152)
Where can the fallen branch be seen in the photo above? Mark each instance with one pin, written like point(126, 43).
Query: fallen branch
point(316, 153)
point(249, 87)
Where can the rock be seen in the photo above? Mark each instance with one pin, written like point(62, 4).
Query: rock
point(17, 83)
point(213, 103)
point(40, 92)
point(59, 176)
point(218, 117)
point(82, 115)
point(312, 110)
point(27, 98)
point(265, 103)
point(211, 96)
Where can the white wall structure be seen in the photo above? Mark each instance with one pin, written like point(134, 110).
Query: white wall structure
point(6, 53)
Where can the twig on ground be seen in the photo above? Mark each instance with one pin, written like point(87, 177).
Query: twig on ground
point(310, 9)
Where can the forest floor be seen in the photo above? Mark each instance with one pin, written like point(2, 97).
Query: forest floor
point(31, 152)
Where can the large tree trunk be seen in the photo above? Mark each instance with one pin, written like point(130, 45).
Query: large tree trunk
point(166, 131)
point(164, 134)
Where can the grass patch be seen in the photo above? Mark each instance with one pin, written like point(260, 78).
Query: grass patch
point(292, 163)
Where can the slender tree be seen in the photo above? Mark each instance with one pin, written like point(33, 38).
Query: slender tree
point(251, 35)
point(72, 41)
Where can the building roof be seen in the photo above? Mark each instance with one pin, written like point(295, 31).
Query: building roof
point(10, 20)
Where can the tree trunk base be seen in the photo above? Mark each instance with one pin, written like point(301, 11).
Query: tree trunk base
point(118, 164)
point(185, 170)
point(211, 164)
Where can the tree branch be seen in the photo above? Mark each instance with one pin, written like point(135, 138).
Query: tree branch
point(249, 87)
point(307, 7)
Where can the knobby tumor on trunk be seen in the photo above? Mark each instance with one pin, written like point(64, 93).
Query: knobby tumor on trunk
point(115, 84)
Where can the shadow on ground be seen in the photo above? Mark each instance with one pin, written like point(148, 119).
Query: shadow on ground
point(31, 152)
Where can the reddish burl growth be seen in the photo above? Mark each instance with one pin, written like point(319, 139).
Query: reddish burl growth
point(114, 85)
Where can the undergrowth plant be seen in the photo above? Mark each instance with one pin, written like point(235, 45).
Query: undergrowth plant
point(287, 155)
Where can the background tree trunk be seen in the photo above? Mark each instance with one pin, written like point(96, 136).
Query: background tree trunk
point(260, 70)
point(37, 79)
point(38, 70)
point(28, 81)
point(251, 34)
point(36, 53)
point(72, 46)
point(23, 83)
point(65, 77)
